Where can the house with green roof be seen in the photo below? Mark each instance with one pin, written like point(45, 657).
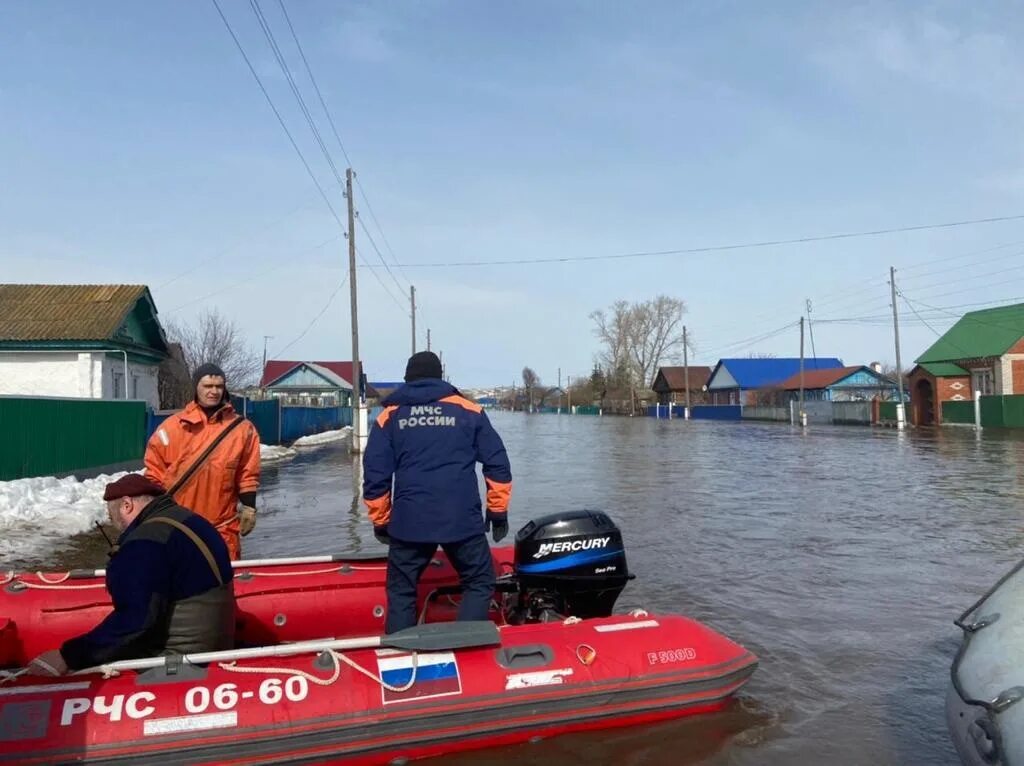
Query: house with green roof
point(80, 341)
point(983, 352)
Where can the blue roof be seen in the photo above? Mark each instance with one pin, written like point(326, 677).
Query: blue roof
point(764, 373)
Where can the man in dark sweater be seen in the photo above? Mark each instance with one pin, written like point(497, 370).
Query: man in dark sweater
point(170, 580)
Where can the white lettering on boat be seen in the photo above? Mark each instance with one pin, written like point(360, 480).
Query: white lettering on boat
point(537, 678)
point(156, 726)
point(671, 655)
point(572, 546)
point(114, 709)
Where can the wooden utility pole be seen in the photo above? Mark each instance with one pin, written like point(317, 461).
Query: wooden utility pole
point(264, 370)
point(686, 372)
point(900, 414)
point(358, 438)
point(801, 371)
point(428, 339)
point(412, 300)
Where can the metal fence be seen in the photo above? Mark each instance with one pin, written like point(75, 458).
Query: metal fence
point(47, 437)
point(996, 412)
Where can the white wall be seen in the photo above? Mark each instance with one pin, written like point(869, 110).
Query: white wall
point(88, 375)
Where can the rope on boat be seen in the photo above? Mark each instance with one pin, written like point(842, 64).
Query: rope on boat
point(338, 659)
point(571, 621)
point(11, 675)
point(45, 585)
point(58, 581)
point(8, 577)
point(638, 613)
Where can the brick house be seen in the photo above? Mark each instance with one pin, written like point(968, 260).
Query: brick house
point(983, 351)
point(670, 384)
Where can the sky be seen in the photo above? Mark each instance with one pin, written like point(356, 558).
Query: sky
point(136, 147)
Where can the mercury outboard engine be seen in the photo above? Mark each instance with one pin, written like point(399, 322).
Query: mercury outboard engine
point(568, 564)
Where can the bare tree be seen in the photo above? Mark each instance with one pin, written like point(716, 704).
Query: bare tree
point(638, 338)
point(173, 381)
point(531, 381)
point(612, 328)
point(217, 339)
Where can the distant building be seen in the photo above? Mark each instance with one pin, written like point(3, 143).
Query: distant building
point(670, 384)
point(309, 384)
point(983, 351)
point(384, 389)
point(737, 381)
point(80, 341)
point(843, 384)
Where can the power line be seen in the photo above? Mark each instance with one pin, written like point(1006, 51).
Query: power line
point(315, 319)
point(282, 63)
point(717, 248)
point(277, 114)
point(341, 144)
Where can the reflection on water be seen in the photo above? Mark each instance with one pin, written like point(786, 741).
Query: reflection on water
point(839, 555)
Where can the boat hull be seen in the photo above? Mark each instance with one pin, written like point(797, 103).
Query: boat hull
point(544, 680)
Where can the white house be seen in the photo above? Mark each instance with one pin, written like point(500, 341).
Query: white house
point(80, 341)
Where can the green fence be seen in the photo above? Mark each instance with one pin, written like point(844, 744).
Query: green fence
point(958, 412)
point(44, 437)
point(887, 411)
point(996, 412)
point(586, 409)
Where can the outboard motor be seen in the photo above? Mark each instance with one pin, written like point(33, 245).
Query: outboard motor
point(568, 564)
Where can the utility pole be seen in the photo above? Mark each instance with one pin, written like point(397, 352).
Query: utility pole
point(358, 427)
point(265, 339)
point(559, 377)
point(568, 391)
point(686, 374)
point(803, 415)
point(428, 339)
point(412, 300)
point(901, 417)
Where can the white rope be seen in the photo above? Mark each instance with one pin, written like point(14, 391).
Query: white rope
point(338, 659)
point(638, 613)
point(8, 577)
point(58, 581)
point(11, 675)
point(571, 621)
point(232, 667)
point(332, 570)
point(46, 586)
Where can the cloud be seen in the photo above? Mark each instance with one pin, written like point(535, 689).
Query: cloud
point(365, 36)
point(967, 57)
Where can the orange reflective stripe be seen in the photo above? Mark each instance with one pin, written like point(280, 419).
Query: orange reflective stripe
point(385, 416)
point(379, 509)
point(464, 403)
point(498, 495)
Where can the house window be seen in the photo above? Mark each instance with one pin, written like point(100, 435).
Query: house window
point(135, 386)
point(981, 380)
point(118, 382)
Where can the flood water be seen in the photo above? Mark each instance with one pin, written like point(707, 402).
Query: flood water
point(839, 555)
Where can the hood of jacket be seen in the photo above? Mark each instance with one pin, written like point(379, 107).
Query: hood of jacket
point(421, 391)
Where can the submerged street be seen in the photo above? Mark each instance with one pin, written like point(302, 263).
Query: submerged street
point(839, 555)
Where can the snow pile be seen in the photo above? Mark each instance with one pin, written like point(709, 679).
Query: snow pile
point(270, 454)
point(327, 437)
point(54, 507)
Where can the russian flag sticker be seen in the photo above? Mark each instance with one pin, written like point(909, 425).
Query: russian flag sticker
point(437, 675)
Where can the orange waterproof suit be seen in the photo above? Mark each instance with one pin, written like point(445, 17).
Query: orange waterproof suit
point(232, 469)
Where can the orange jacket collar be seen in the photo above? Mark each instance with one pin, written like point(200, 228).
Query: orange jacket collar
point(193, 413)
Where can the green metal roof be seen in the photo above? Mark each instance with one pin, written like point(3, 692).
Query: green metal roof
point(991, 332)
point(944, 370)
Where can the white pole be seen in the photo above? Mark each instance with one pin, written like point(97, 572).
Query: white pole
point(792, 412)
point(977, 410)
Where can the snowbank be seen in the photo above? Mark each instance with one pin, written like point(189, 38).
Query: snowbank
point(270, 454)
point(33, 510)
point(327, 437)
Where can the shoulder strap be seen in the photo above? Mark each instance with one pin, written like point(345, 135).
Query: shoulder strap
point(196, 540)
point(184, 478)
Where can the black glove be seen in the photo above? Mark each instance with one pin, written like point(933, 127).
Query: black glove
point(497, 523)
point(381, 533)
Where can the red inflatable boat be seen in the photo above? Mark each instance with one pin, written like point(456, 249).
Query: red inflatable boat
point(278, 600)
point(554, 661)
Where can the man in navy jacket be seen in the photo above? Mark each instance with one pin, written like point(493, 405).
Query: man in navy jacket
point(420, 486)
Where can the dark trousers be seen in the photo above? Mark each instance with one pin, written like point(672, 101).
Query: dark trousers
point(406, 562)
